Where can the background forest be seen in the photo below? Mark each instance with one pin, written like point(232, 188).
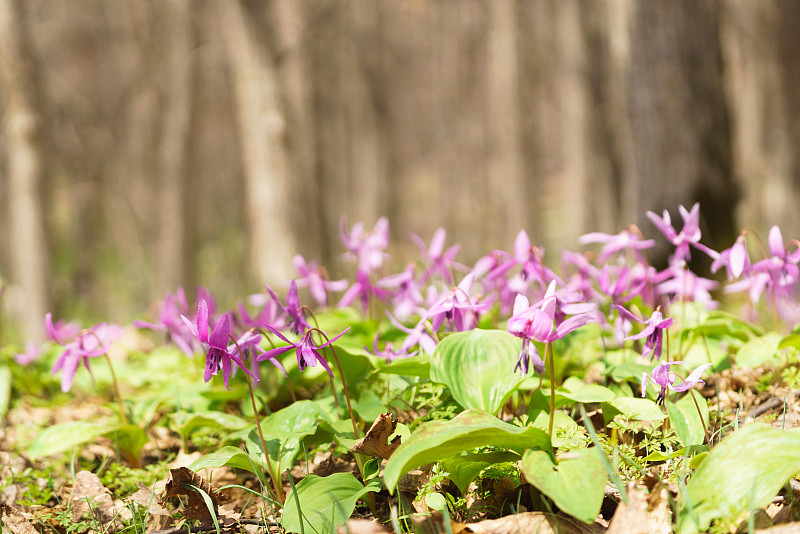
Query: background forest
point(147, 144)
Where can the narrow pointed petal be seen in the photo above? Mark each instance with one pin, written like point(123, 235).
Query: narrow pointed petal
point(202, 321)
point(219, 337)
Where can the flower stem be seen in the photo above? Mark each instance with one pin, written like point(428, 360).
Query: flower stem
point(552, 389)
point(122, 415)
point(705, 428)
point(276, 479)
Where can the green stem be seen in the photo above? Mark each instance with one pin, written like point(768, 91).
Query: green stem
point(552, 389)
point(122, 415)
point(703, 421)
point(276, 478)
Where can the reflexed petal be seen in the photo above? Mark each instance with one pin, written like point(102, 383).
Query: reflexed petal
point(274, 353)
point(226, 372)
point(776, 242)
point(437, 243)
point(219, 337)
point(202, 321)
point(522, 246)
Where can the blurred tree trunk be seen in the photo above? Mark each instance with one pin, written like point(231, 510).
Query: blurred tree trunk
point(174, 261)
point(25, 157)
point(261, 128)
point(678, 114)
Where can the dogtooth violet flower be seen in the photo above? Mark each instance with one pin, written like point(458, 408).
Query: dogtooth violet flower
point(654, 330)
point(689, 234)
point(296, 319)
point(734, 259)
point(538, 323)
point(614, 243)
point(662, 377)
point(88, 343)
point(366, 247)
point(456, 307)
point(308, 353)
point(440, 260)
point(217, 356)
point(311, 276)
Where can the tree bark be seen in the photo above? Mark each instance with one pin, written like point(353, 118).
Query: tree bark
point(25, 171)
point(266, 162)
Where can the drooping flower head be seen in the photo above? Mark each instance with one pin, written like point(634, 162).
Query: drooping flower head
point(366, 247)
point(614, 244)
point(689, 235)
point(439, 260)
point(295, 318)
point(216, 340)
point(662, 377)
point(88, 343)
point(312, 276)
point(308, 352)
point(654, 330)
point(456, 308)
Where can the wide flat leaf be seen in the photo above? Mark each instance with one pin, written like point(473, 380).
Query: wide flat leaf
point(283, 432)
point(5, 389)
point(744, 472)
point(478, 367)
point(64, 436)
point(632, 409)
point(464, 467)
point(130, 439)
point(230, 456)
point(325, 502)
point(415, 366)
point(686, 420)
point(758, 350)
point(576, 483)
point(438, 440)
point(211, 419)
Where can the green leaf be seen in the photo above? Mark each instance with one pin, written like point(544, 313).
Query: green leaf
point(436, 440)
point(566, 432)
point(745, 471)
point(129, 438)
point(435, 501)
point(790, 341)
point(325, 502)
point(216, 420)
point(64, 436)
point(478, 367)
point(632, 409)
point(464, 467)
point(368, 405)
point(758, 350)
point(415, 366)
point(283, 432)
point(686, 420)
point(5, 389)
point(576, 483)
point(230, 456)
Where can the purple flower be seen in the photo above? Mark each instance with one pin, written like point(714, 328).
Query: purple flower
point(297, 320)
point(654, 331)
point(529, 257)
point(388, 351)
point(363, 289)
point(456, 308)
point(31, 354)
point(417, 336)
point(538, 323)
point(271, 312)
point(689, 235)
point(734, 259)
point(367, 247)
point(439, 260)
point(89, 343)
point(684, 285)
point(217, 355)
point(169, 320)
point(312, 276)
point(612, 244)
point(664, 378)
point(61, 332)
point(248, 343)
point(308, 354)
point(407, 296)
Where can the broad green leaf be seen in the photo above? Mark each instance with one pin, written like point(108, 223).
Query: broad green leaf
point(368, 405)
point(5, 389)
point(758, 350)
point(632, 409)
point(64, 436)
point(744, 472)
point(790, 341)
point(689, 452)
point(464, 467)
point(230, 456)
point(719, 324)
point(437, 440)
point(341, 431)
point(435, 501)
point(415, 366)
point(325, 502)
point(216, 420)
point(566, 432)
point(478, 367)
point(283, 431)
point(576, 483)
point(357, 364)
point(686, 420)
point(129, 438)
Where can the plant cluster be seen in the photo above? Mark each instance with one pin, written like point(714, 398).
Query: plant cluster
point(508, 385)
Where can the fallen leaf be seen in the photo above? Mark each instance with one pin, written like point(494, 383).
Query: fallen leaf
point(145, 497)
point(643, 513)
point(433, 523)
point(14, 521)
point(362, 526)
point(376, 441)
point(531, 522)
point(196, 506)
point(90, 498)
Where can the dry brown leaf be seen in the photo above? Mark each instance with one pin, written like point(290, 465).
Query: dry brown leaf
point(196, 507)
point(362, 526)
point(786, 528)
point(643, 513)
point(145, 497)
point(14, 521)
point(90, 498)
point(433, 523)
point(531, 522)
point(375, 442)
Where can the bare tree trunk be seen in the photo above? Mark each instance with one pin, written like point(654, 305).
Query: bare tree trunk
point(507, 183)
point(678, 114)
point(266, 162)
point(22, 126)
point(178, 65)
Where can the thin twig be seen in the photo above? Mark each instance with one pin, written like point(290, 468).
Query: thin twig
point(209, 528)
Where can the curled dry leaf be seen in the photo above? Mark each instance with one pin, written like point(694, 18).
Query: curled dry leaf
point(376, 441)
point(145, 497)
point(643, 513)
point(196, 507)
point(531, 522)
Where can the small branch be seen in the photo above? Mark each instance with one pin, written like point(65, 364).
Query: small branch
point(211, 528)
